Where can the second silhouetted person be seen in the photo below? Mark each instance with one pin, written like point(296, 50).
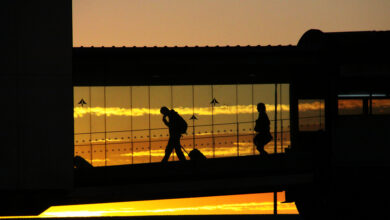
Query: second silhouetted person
point(177, 126)
point(262, 128)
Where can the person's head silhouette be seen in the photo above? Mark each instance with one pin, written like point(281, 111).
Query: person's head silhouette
point(261, 107)
point(164, 110)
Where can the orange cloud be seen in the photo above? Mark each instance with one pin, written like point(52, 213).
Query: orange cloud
point(218, 110)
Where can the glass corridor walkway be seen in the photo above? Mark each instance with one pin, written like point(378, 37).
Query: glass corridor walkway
point(118, 125)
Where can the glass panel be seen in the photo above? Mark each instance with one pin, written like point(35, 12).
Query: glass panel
point(283, 122)
point(83, 151)
point(225, 130)
point(380, 106)
point(158, 151)
point(115, 137)
point(118, 148)
point(118, 108)
point(118, 153)
point(159, 96)
point(284, 135)
point(182, 99)
point(350, 106)
point(98, 149)
point(98, 122)
point(98, 155)
point(141, 153)
point(225, 120)
point(205, 145)
point(140, 107)
point(226, 146)
point(246, 145)
point(141, 136)
point(202, 105)
point(245, 103)
point(82, 139)
point(225, 104)
point(160, 135)
point(284, 101)
point(82, 146)
point(204, 141)
point(311, 114)
point(82, 111)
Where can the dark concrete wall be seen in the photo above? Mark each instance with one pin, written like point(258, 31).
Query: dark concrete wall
point(36, 95)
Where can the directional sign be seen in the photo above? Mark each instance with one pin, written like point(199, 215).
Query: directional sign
point(193, 117)
point(214, 102)
point(82, 102)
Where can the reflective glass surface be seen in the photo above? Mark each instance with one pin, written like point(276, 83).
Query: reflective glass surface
point(116, 125)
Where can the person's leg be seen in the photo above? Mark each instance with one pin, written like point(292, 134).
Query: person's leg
point(256, 142)
point(262, 151)
point(178, 147)
point(259, 141)
point(168, 150)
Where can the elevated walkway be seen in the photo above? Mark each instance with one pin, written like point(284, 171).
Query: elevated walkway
point(220, 176)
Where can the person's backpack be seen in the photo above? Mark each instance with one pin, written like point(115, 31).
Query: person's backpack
point(179, 123)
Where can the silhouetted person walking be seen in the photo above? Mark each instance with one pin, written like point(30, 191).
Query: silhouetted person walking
point(176, 129)
point(262, 128)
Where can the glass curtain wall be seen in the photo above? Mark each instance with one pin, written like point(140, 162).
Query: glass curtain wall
point(116, 125)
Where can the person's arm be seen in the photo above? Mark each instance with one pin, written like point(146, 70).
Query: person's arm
point(165, 120)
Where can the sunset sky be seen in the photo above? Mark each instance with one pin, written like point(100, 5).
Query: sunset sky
point(219, 22)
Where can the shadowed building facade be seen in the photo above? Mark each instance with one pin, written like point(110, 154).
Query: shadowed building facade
point(37, 124)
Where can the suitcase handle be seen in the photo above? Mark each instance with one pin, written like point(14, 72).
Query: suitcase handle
point(184, 150)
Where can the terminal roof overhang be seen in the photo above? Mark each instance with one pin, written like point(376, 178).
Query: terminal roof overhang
point(316, 52)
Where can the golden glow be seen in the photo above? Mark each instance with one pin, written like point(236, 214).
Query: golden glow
point(218, 22)
point(233, 204)
point(217, 110)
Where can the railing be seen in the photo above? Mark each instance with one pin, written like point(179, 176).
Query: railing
point(148, 145)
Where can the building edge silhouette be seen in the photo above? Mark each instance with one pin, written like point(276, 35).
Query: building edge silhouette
point(37, 92)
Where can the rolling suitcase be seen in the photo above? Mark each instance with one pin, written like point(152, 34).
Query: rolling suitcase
point(195, 154)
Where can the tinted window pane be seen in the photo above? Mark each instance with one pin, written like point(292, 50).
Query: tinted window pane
point(140, 107)
point(202, 105)
point(98, 122)
point(350, 106)
point(380, 106)
point(159, 96)
point(118, 108)
point(82, 110)
point(311, 114)
point(283, 123)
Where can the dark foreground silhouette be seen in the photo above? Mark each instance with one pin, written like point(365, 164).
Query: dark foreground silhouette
point(80, 162)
